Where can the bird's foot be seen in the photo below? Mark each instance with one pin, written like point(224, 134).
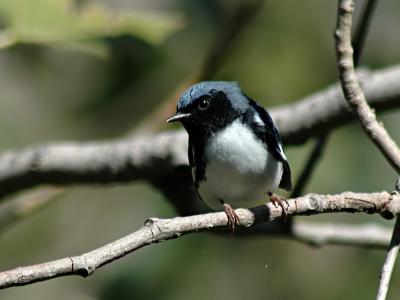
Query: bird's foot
point(233, 218)
point(278, 201)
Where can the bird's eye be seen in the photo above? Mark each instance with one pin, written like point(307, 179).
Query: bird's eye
point(204, 104)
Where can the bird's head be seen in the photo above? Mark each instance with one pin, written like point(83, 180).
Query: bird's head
point(209, 106)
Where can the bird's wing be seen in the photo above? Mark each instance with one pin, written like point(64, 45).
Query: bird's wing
point(261, 122)
point(196, 162)
point(191, 153)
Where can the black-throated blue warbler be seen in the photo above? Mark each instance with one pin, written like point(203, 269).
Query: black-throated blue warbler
point(235, 151)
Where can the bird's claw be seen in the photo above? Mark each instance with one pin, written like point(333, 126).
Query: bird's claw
point(233, 218)
point(278, 201)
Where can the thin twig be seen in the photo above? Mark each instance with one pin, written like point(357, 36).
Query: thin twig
point(361, 31)
point(390, 259)
point(352, 90)
point(391, 254)
point(27, 204)
point(310, 165)
point(374, 130)
point(321, 141)
point(327, 109)
point(158, 230)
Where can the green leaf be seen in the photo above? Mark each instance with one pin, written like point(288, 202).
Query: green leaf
point(58, 22)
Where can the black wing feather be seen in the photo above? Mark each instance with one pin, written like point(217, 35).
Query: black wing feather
point(196, 162)
point(190, 153)
point(270, 135)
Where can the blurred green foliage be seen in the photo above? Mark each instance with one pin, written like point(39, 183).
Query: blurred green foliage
point(52, 91)
point(82, 27)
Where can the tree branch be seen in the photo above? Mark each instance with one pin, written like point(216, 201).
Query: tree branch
point(352, 90)
point(374, 130)
point(23, 205)
point(388, 265)
point(391, 254)
point(321, 141)
point(310, 165)
point(361, 31)
point(156, 158)
point(158, 230)
point(320, 234)
point(327, 109)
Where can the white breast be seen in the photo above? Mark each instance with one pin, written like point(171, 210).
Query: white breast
point(240, 170)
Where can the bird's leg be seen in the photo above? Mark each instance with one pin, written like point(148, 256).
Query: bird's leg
point(278, 201)
point(233, 218)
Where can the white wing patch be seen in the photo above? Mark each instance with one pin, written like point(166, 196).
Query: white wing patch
point(281, 151)
point(258, 120)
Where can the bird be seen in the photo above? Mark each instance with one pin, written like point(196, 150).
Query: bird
point(235, 151)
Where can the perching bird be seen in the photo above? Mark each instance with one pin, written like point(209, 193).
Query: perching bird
point(235, 150)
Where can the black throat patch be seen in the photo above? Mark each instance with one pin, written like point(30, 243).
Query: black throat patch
point(203, 125)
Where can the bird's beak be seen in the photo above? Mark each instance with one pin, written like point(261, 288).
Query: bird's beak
point(177, 117)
